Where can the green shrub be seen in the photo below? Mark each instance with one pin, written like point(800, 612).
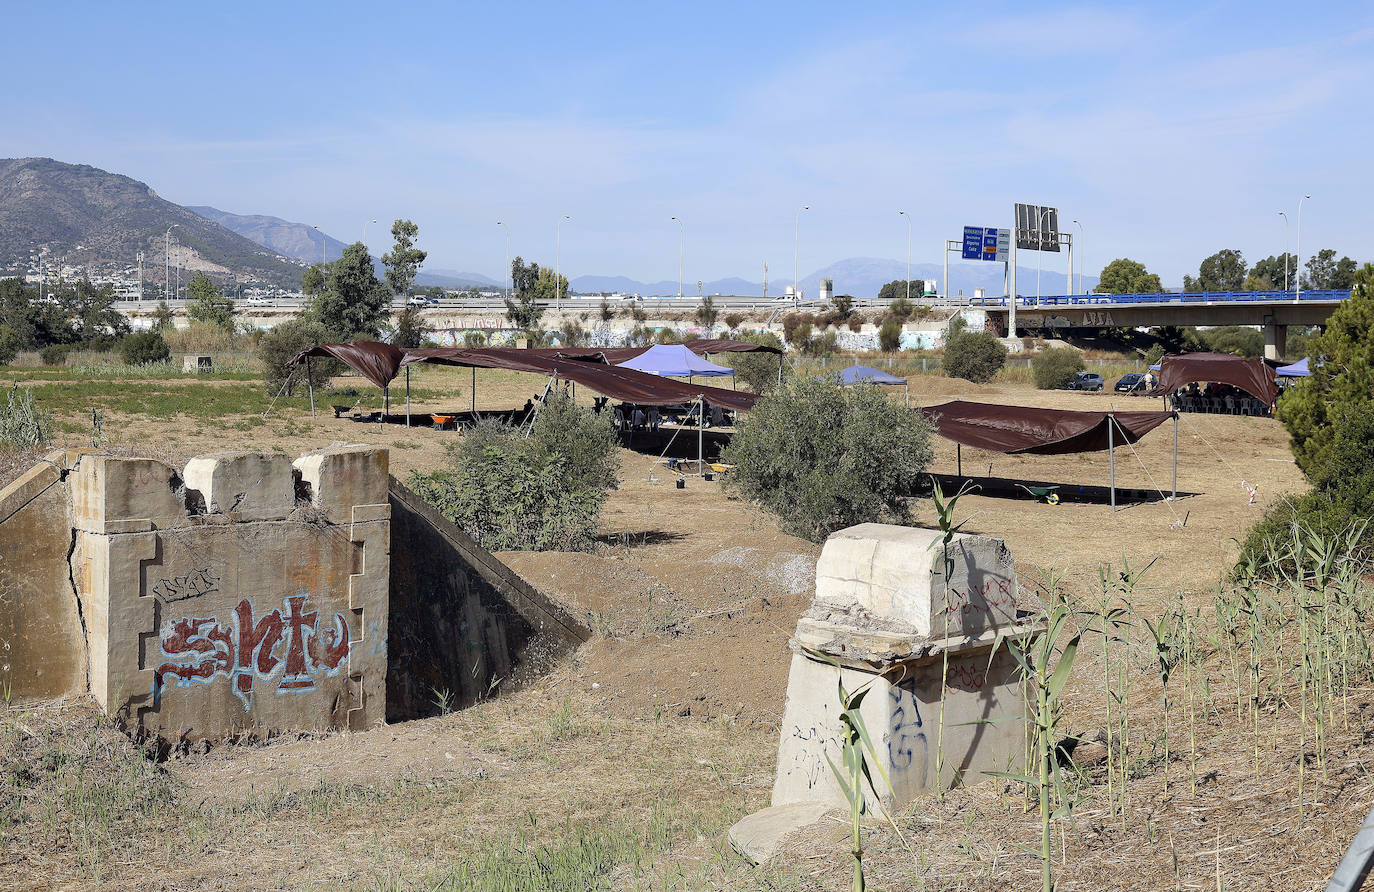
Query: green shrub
point(10, 344)
point(1341, 499)
point(890, 336)
point(974, 356)
point(1154, 354)
point(280, 343)
point(756, 371)
point(54, 354)
point(824, 457)
point(22, 424)
point(901, 308)
point(824, 344)
point(143, 348)
point(538, 493)
point(1054, 368)
point(733, 320)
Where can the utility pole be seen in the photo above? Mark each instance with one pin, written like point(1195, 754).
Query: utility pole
point(505, 280)
point(765, 280)
point(558, 260)
point(1298, 294)
point(796, 254)
point(908, 255)
point(167, 261)
point(140, 275)
point(681, 251)
point(1285, 250)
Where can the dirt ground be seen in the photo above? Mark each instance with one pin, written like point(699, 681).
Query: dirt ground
point(676, 701)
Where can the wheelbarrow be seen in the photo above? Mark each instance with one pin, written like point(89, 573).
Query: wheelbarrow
point(1046, 494)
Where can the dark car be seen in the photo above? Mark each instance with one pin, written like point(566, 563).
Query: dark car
point(1086, 381)
point(1132, 383)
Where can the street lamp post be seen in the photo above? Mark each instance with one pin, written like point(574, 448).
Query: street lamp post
point(796, 255)
point(558, 260)
point(1080, 258)
point(681, 251)
point(1285, 250)
point(505, 280)
point(167, 261)
point(908, 254)
point(365, 231)
point(1298, 294)
point(322, 243)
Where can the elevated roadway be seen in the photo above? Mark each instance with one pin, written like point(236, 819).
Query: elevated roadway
point(1274, 311)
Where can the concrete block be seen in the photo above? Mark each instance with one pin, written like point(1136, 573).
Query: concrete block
point(944, 705)
point(243, 485)
point(759, 836)
point(107, 490)
point(341, 477)
point(42, 649)
point(898, 572)
point(982, 710)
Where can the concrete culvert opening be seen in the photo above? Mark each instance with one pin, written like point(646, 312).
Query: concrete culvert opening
point(249, 595)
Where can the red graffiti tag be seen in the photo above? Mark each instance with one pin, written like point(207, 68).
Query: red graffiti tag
point(199, 649)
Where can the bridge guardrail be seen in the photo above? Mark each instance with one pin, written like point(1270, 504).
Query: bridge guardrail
point(1188, 297)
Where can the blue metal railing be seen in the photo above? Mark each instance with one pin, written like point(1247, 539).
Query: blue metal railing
point(1187, 297)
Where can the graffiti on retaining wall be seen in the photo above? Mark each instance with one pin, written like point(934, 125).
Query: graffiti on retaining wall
point(192, 585)
point(246, 650)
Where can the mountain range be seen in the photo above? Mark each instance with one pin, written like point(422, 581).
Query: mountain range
point(855, 276)
point(96, 218)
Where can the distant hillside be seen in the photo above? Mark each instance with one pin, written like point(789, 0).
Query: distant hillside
point(99, 218)
point(856, 276)
point(299, 241)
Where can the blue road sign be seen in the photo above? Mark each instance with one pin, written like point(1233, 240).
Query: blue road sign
point(985, 243)
point(973, 243)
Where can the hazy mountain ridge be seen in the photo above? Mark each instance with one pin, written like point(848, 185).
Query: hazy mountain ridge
point(98, 218)
point(855, 276)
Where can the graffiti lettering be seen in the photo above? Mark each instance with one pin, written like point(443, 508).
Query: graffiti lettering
point(200, 649)
point(996, 595)
point(192, 585)
point(965, 675)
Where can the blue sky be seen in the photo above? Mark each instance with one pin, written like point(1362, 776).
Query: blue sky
point(1171, 130)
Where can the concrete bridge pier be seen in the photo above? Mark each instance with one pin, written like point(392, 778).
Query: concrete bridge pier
point(1275, 339)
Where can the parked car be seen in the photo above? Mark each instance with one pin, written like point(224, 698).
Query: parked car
point(1086, 381)
point(1132, 383)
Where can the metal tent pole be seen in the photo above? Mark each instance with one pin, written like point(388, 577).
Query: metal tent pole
point(1175, 496)
point(474, 393)
point(386, 402)
point(959, 457)
point(701, 435)
point(310, 385)
point(906, 395)
point(1111, 458)
point(407, 396)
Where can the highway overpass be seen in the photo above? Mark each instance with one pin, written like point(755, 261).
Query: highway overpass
point(1274, 311)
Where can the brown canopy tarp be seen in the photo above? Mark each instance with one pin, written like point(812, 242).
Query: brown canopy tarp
point(1250, 375)
point(375, 361)
point(626, 385)
point(1024, 430)
point(702, 346)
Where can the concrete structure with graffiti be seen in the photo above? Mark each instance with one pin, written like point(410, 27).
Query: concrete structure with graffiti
point(245, 594)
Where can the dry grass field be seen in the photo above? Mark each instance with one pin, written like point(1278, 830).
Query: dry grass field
point(624, 767)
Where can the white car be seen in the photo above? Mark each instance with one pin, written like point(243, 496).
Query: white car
point(419, 300)
point(257, 302)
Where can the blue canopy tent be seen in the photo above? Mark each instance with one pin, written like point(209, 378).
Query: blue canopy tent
point(862, 374)
point(1298, 369)
point(675, 361)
